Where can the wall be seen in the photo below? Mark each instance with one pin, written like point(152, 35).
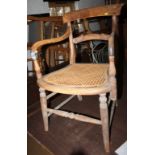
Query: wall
point(88, 3)
point(37, 7)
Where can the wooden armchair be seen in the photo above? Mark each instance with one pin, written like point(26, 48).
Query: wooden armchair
point(79, 78)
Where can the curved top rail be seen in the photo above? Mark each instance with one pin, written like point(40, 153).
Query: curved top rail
point(105, 10)
point(45, 19)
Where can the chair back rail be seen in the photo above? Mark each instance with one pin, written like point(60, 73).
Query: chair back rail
point(108, 10)
point(45, 19)
point(92, 36)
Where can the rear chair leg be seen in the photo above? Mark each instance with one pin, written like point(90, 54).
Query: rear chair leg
point(112, 111)
point(79, 97)
point(105, 121)
point(113, 97)
point(43, 102)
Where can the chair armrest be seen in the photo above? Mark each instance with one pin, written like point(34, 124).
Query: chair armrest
point(38, 44)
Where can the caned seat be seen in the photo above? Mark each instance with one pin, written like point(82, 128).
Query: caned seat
point(75, 78)
point(79, 78)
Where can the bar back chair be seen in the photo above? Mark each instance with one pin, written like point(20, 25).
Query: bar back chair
point(79, 79)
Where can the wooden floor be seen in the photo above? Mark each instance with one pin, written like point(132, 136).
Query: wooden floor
point(70, 137)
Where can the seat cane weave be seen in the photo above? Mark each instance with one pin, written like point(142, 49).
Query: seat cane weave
point(79, 75)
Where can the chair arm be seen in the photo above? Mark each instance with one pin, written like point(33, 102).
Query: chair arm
point(38, 44)
point(34, 50)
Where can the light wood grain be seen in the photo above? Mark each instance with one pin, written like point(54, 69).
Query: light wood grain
point(109, 10)
point(104, 120)
point(92, 36)
point(74, 116)
point(43, 102)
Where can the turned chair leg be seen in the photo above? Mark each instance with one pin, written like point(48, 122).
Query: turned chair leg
point(43, 102)
point(105, 121)
point(79, 97)
point(112, 111)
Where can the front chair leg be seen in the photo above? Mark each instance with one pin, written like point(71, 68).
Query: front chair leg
point(43, 102)
point(105, 121)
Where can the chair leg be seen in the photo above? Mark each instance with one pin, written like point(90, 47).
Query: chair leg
point(79, 97)
point(105, 121)
point(112, 111)
point(43, 102)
